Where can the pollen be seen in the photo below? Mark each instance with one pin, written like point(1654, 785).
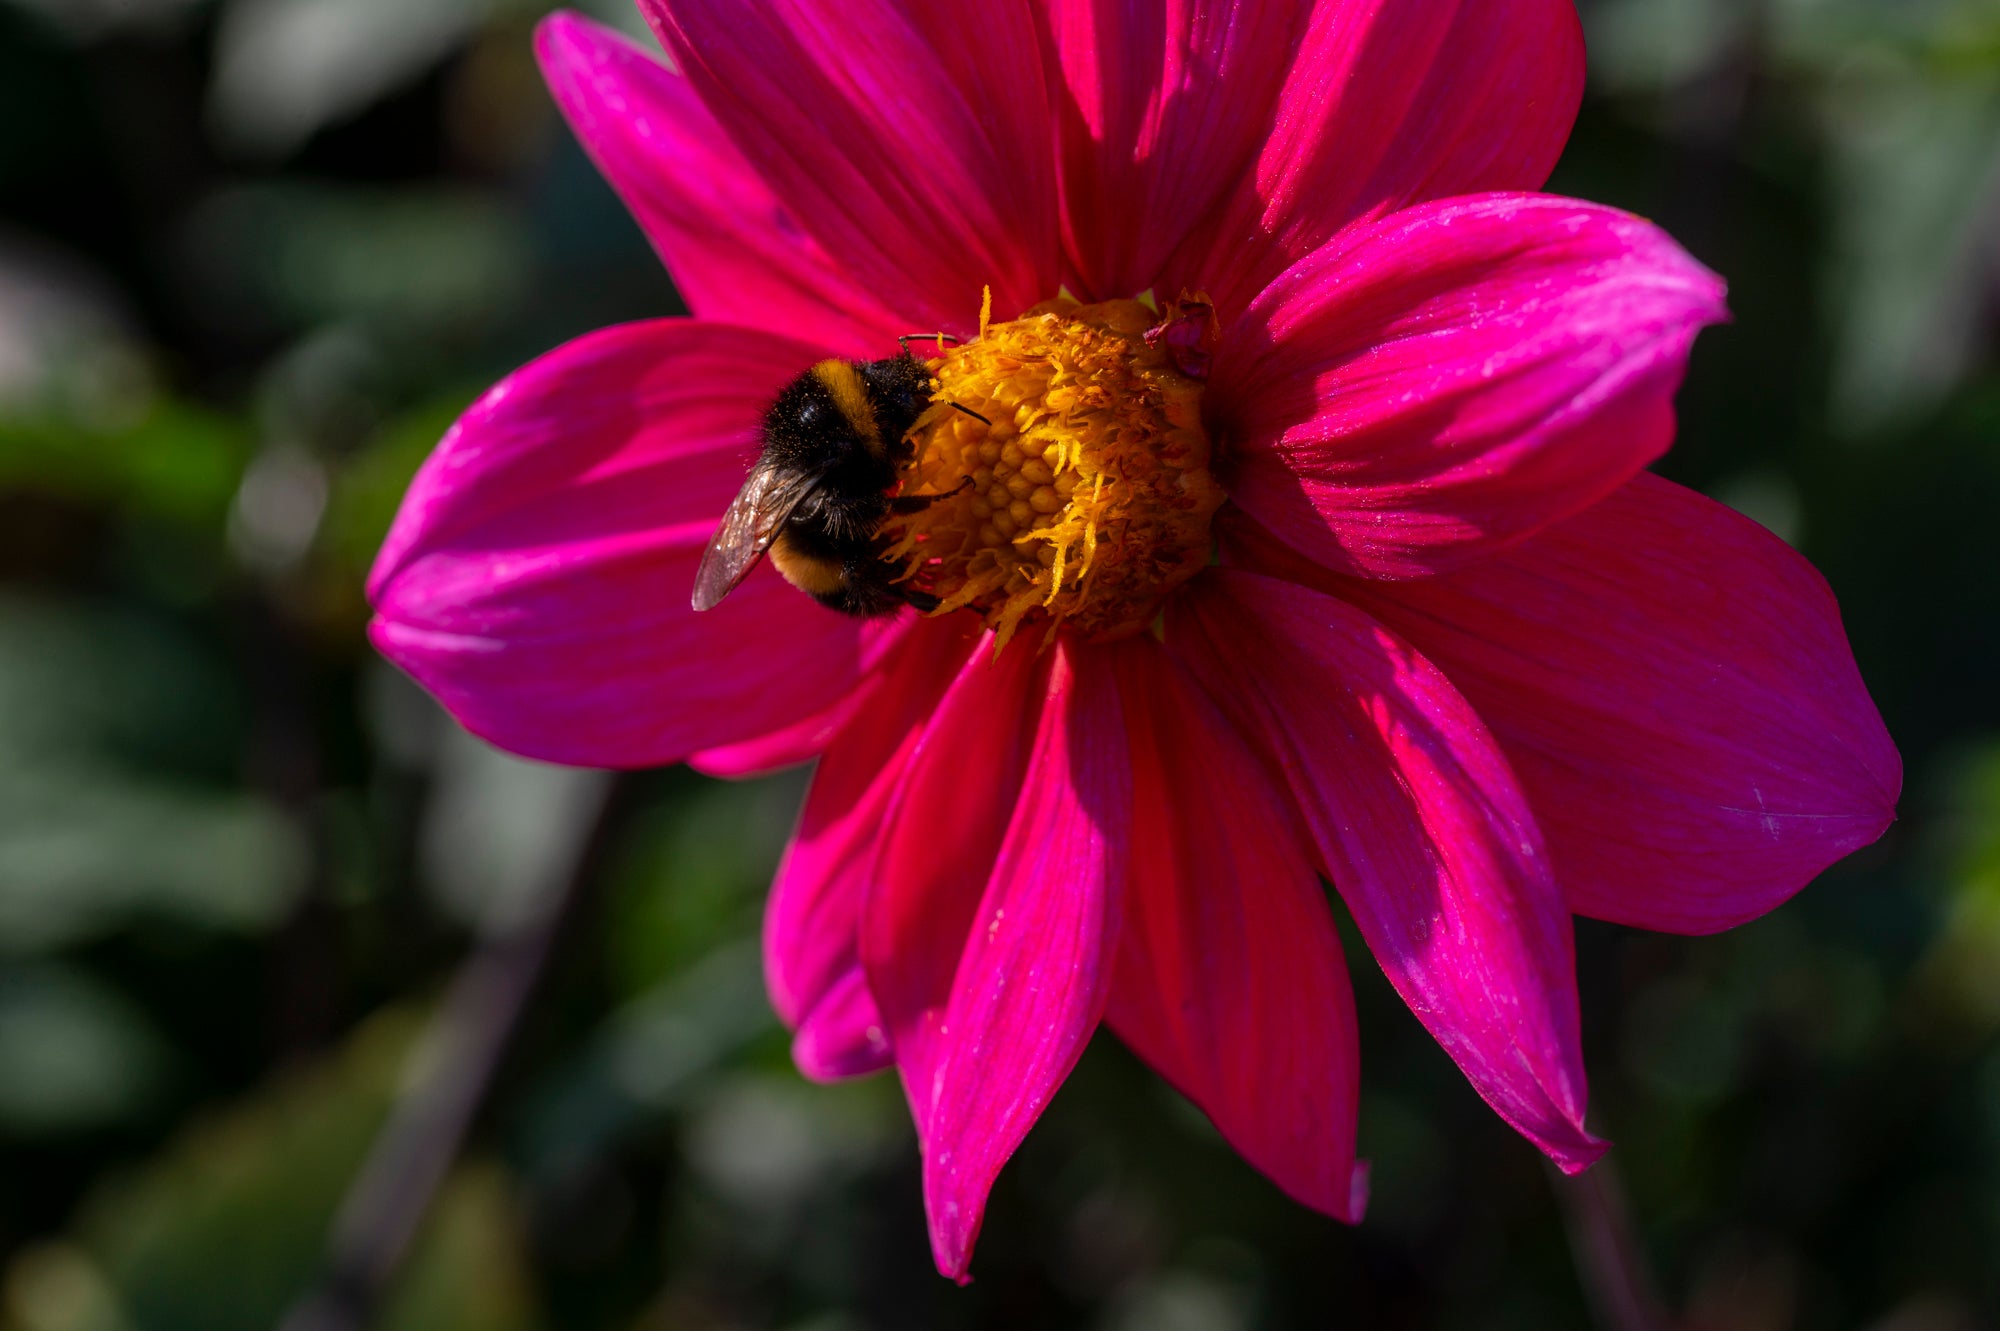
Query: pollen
point(1083, 496)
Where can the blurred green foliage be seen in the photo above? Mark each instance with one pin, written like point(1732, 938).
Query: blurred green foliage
point(222, 1228)
point(254, 257)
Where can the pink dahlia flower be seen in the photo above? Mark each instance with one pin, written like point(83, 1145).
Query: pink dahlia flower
point(1453, 649)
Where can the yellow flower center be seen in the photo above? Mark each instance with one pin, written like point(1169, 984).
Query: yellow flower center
point(1089, 496)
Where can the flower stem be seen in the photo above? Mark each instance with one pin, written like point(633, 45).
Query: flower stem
point(1611, 1263)
point(459, 1054)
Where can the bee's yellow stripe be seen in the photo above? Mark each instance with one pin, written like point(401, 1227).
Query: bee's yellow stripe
point(850, 394)
point(812, 575)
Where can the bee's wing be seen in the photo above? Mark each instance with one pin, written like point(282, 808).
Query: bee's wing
point(747, 530)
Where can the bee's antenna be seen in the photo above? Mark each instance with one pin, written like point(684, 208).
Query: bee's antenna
point(907, 338)
point(918, 503)
point(960, 406)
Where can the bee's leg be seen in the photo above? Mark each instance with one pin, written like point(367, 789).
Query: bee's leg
point(918, 503)
point(921, 600)
point(960, 406)
point(940, 338)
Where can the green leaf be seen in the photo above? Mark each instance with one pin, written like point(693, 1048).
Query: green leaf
point(77, 1054)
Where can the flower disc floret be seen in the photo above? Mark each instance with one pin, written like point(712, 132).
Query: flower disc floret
point(1089, 494)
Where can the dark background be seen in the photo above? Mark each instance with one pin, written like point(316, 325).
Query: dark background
point(255, 254)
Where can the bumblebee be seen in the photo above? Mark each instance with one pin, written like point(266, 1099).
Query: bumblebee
point(819, 491)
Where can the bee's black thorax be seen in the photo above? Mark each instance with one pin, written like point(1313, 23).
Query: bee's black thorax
point(842, 423)
point(900, 388)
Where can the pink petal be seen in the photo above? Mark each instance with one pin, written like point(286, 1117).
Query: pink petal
point(1421, 826)
point(1391, 103)
point(1672, 685)
point(922, 189)
point(969, 821)
point(537, 577)
point(798, 743)
point(1456, 376)
point(735, 254)
point(1163, 108)
point(1033, 979)
point(844, 1035)
point(814, 914)
point(954, 795)
point(992, 54)
point(1230, 980)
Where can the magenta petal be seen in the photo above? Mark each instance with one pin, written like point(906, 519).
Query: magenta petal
point(1164, 107)
point(1420, 824)
point(954, 800)
point(1391, 103)
point(536, 579)
point(992, 53)
point(1456, 376)
point(813, 917)
point(800, 742)
point(1230, 980)
point(805, 740)
point(949, 811)
point(1032, 982)
point(735, 254)
point(1673, 687)
point(844, 1035)
point(965, 804)
point(856, 123)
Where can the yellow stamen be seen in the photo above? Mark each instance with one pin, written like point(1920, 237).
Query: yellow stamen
point(1090, 497)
